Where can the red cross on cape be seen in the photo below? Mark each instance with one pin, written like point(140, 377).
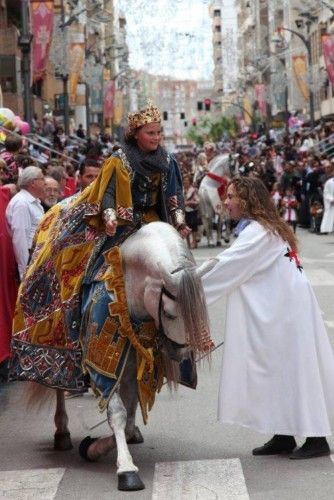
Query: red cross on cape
point(292, 255)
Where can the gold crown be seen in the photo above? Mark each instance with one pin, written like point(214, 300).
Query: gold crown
point(150, 114)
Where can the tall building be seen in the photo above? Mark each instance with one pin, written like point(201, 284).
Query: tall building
point(215, 10)
point(253, 51)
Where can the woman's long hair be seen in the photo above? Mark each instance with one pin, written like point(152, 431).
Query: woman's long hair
point(256, 204)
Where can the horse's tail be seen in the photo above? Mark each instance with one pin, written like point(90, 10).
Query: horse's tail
point(38, 395)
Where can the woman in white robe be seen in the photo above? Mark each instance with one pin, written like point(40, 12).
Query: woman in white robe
point(327, 223)
point(278, 367)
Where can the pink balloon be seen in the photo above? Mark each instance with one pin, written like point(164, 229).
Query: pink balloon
point(24, 127)
point(17, 120)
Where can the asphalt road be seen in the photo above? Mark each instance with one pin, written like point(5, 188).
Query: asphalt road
point(187, 454)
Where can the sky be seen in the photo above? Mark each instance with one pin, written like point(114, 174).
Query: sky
point(171, 37)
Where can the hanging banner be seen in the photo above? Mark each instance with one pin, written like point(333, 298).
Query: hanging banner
point(96, 94)
point(42, 13)
point(118, 109)
point(299, 65)
point(108, 101)
point(77, 59)
point(260, 92)
point(247, 110)
point(328, 51)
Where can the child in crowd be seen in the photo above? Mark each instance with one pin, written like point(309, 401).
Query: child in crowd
point(276, 195)
point(316, 212)
point(289, 207)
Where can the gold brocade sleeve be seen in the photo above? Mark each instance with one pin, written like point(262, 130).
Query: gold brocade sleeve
point(123, 192)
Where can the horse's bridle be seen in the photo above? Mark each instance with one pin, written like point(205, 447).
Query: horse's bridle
point(161, 333)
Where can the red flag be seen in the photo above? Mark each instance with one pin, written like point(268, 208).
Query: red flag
point(42, 25)
point(328, 50)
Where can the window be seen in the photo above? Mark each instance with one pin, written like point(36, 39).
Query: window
point(8, 79)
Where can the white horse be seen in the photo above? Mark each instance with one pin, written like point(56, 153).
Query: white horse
point(219, 167)
point(161, 282)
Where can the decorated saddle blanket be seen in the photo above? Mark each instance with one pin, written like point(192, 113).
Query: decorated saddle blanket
point(100, 350)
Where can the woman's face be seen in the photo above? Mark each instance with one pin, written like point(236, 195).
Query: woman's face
point(232, 203)
point(186, 182)
point(148, 137)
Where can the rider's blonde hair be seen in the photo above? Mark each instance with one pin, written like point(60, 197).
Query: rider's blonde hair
point(257, 204)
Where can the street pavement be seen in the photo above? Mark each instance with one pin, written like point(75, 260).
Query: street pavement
point(187, 454)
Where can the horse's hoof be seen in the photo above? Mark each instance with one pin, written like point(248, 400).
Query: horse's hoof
point(218, 244)
point(136, 438)
point(130, 481)
point(62, 442)
point(83, 448)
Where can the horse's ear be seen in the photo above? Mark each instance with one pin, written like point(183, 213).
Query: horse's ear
point(169, 280)
point(206, 267)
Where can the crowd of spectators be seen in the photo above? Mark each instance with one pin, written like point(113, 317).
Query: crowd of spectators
point(296, 168)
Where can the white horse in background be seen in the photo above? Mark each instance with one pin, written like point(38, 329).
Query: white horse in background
point(210, 202)
point(162, 283)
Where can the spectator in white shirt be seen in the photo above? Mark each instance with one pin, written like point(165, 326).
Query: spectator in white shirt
point(24, 213)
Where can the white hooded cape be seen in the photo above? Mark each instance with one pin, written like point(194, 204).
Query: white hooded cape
point(278, 367)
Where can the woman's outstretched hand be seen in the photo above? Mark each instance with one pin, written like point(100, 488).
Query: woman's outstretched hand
point(184, 231)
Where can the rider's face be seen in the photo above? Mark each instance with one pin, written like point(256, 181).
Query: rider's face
point(232, 203)
point(148, 137)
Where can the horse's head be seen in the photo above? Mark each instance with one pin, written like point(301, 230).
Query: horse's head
point(176, 302)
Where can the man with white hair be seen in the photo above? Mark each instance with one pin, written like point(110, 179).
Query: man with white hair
point(52, 193)
point(24, 213)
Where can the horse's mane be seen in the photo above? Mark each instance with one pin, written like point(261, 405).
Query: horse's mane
point(193, 309)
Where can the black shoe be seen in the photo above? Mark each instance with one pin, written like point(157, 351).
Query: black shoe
point(4, 371)
point(313, 447)
point(277, 445)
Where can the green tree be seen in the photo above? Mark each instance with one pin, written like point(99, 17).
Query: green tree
point(208, 129)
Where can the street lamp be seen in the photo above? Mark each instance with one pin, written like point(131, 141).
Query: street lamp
point(307, 42)
point(65, 79)
point(24, 43)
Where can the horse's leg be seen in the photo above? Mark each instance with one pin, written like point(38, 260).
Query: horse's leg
point(207, 228)
point(227, 223)
point(219, 232)
point(128, 479)
point(62, 437)
point(210, 221)
point(129, 395)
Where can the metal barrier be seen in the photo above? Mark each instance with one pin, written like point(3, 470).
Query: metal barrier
point(40, 144)
point(325, 146)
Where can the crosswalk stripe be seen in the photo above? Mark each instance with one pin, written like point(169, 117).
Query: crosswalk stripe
point(30, 484)
point(204, 479)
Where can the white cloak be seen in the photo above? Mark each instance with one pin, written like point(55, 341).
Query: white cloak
point(278, 366)
point(327, 223)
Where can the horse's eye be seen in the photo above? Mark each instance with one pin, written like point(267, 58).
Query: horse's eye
point(169, 316)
